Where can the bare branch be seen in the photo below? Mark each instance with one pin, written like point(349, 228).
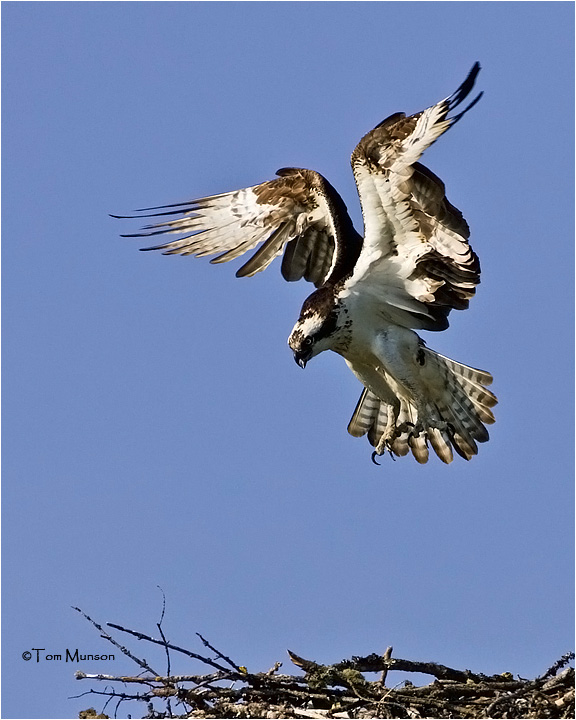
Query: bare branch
point(219, 654)
point(558, 665)
point(336, 691)
point(143, 664)
point(143, 636)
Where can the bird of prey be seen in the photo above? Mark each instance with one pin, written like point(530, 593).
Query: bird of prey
point(412, 267)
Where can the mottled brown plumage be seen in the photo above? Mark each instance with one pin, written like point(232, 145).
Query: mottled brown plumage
point(413, 266)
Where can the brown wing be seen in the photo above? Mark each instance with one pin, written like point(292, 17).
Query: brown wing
point(416, 258)
point(299, 213)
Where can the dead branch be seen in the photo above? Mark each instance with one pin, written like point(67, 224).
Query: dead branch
point(143, 664)
point(143, 636)
point(339, 690)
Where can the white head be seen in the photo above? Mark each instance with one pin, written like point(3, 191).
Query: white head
point(316, 327)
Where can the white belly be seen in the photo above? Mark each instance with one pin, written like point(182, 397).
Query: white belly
point(383, 358)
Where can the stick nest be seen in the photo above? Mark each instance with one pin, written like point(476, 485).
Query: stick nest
point(341, 690)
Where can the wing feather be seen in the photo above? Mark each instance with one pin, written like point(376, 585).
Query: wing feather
point(416, 258)
point(299, 212)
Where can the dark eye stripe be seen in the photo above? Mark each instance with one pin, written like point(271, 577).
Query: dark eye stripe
point(328, 327)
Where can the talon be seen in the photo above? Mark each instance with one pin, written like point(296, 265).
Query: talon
point(416, 429)
point(376, 454)
point(406, 427)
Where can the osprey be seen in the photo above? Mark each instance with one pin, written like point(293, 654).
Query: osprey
point(412, 267)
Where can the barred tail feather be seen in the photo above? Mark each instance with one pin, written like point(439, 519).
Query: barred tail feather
point(463, 401)
point(371, 417)
point(419, 447)
point(440, 441)
point(364, 414)
point(458, 397)
point(406, 415)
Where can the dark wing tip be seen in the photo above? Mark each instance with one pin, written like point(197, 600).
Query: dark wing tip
point(192, 208)
point(137, 235)
point(163, 207)
point(464, 90)
point(455, 118)
point(154, 247)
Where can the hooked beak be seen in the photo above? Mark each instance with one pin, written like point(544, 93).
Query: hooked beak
point(302, 358)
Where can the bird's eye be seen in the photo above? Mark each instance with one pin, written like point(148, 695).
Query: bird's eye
point(307, 342)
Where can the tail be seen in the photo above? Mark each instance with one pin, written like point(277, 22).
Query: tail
point(458, 395)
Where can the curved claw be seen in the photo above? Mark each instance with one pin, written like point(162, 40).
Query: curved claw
point(376, 454)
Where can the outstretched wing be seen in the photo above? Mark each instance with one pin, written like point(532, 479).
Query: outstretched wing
point(416, 261)
point(299, 213)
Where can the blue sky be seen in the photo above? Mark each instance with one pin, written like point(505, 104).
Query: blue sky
point(156, 428)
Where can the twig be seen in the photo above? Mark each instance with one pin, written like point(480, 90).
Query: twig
point(220, 655)
point(153, 681)
point(558, 665)
point(338, 691)
point(376, 663)
point(142, 663)
point(386, 657)
point(176, 648)
point(159, 626)
point(112, 694)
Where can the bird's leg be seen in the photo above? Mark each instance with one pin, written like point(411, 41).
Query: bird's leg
point(391, 431)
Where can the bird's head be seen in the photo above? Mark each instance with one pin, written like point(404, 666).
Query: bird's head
point(316, 326)
point(303, 343)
